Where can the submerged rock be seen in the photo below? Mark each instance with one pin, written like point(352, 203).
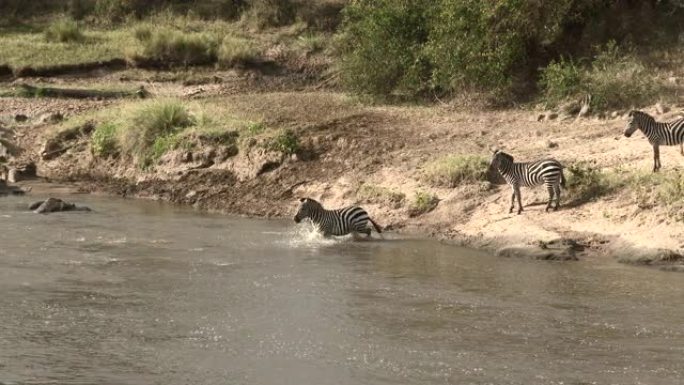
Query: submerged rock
point(51, 205)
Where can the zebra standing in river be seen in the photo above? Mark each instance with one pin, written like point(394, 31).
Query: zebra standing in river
point(548, 172)
point(351, 219)
point(657, 133)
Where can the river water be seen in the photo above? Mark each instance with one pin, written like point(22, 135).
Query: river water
point(146, 293)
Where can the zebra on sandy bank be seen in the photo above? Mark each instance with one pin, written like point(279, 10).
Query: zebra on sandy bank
point(657, 133)
point(351, 219)
point(548, 172)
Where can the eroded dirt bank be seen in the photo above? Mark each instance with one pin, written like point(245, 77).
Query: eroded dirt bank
point(376, 156)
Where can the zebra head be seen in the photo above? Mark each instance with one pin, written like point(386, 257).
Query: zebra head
point(307, 207)
point(499, 159)
point(637, 120)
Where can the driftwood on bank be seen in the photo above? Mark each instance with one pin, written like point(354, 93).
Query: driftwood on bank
point(75, 93)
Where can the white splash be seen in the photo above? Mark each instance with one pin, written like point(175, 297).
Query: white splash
point(307, 234)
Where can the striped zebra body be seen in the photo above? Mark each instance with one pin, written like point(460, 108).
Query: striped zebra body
point(352, 219)
point(547, 172)
point(657, 133)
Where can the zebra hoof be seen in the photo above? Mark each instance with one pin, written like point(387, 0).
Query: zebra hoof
point(510, 211)
point(520, 211)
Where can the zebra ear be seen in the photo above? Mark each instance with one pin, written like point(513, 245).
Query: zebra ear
point(302, 200)
point(493, 149)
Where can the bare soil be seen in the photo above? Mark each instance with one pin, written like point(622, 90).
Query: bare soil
point(348, 143)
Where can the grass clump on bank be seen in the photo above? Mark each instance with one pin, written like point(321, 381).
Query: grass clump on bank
point(665, 189)
point(176, 47)
point(586, 182)
point(63, 31)
point(104, 141)
point(236, 50)
point(152, 129)
point(423, 202)
point(378, 194)
point(453, 170)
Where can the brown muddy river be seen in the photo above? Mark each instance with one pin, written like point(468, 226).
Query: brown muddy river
point(145, 293)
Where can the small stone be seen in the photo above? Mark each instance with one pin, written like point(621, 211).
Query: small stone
point(294, 157)
point(661, 109)
point(51, 118)
point(615, 114)
point(191, 194)
point(551, 116)
point(551, 144)
point(541, 117)
point(673, 80)
point(20, 118)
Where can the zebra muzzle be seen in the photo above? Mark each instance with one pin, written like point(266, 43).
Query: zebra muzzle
point(296, 219)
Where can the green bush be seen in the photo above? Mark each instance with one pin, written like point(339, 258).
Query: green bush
point(234, 50)
point(616, 78)
point(381, 46)
point(453, 170)
point(585, 182)
point(179, 48)
point(104, 140)
point(63, 31)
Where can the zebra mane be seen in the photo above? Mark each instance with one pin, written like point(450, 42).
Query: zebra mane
point(310, 201)
point(504, 155)
point(640, 114)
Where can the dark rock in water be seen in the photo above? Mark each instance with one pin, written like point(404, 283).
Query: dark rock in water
point(19, 118)
point(5, 189)
point(51, 205)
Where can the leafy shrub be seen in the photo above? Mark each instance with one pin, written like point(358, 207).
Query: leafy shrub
point(378, 194)
point(286, 142)
point(178, 47)
point(422, 203)
point(453, 170)
point(585, 182)
point(104, 140)
point(63, 31)
point(381, 46)
point(255, 128)
point(142, 33)
point(614, 79)
point(236, 50)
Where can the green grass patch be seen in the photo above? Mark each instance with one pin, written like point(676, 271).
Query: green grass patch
point(664, 189)
point(379, 194)
point(63, 31)
point(286, 141)
point(454, 170)
point(423, 202)
point(175, 47)
point(236, 50)
point(104, 141)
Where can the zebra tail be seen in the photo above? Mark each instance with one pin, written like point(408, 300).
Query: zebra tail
point(562, 183)
point(377, 228)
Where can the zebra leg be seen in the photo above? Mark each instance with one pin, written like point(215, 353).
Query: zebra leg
point(557, 190)
point(512, 199)
point(681, 148)
point(517, 192)
point(549, 188)
point(656, 158)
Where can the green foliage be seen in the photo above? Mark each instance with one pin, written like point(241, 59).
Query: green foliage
point(378, 194)
point(171, 46)
point(254, 128)
point(453, 170)
point(63, 31)
point(104, 140)
point(235, 50)
point(560, 80)
point(422, 203)
point(159, 147)
point(616, 78)
point(286, 142)
point(381, 46)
